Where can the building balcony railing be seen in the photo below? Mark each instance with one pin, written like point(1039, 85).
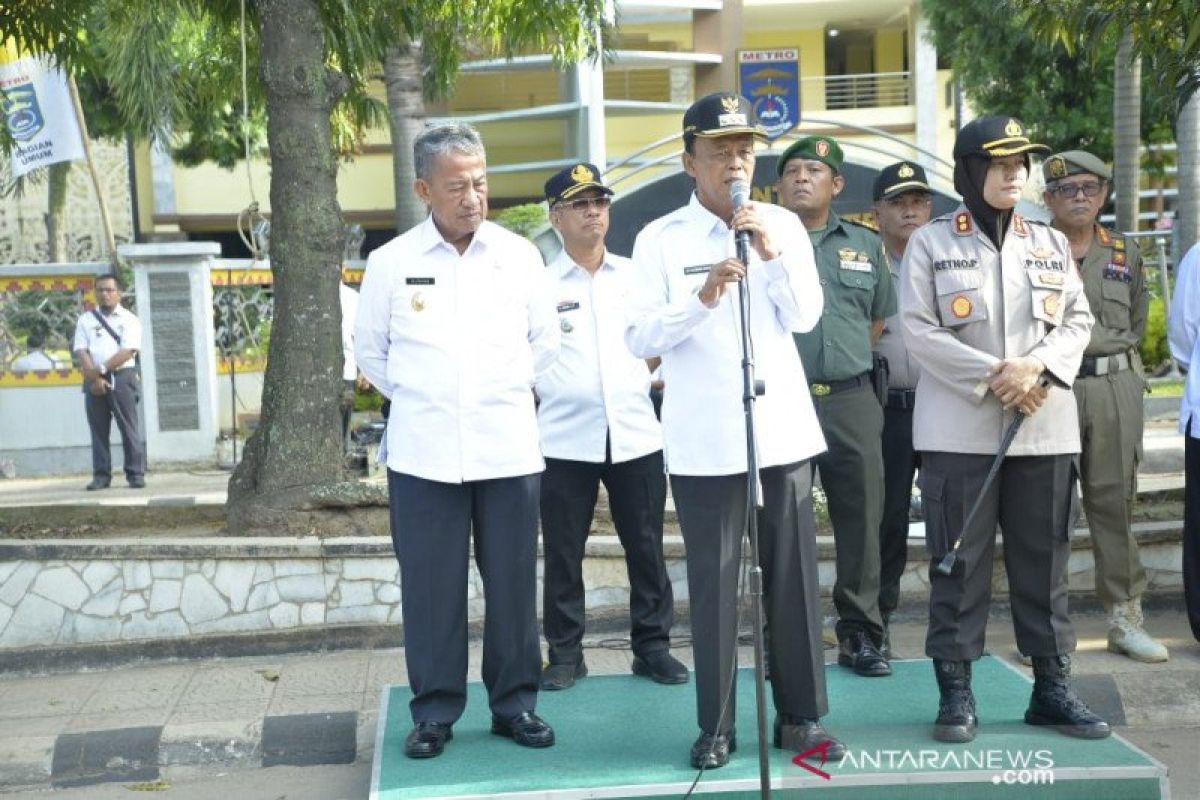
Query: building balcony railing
point(864, 90)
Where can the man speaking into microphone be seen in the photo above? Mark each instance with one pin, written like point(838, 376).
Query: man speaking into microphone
point(685, 309)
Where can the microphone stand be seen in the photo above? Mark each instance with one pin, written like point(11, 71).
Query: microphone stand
point(754, 502)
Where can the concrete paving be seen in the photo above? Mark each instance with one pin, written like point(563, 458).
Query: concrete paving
point(189, 721)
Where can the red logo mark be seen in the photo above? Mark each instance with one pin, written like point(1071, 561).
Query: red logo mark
point(823, 750)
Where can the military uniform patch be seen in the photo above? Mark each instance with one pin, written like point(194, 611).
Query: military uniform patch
point(1118, 244)
point(1050, 305)
point(418, 302)
point(1052, 278)
point(961, 306)
point(1042, 252)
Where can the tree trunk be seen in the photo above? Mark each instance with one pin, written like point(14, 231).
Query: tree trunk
point(1187, 140)
point(296, 452)
point(1127, 130)
point(56, 211)
point(403, 76)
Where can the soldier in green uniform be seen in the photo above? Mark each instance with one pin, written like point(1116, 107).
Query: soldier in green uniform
point(1108, 391)
point(859, 295)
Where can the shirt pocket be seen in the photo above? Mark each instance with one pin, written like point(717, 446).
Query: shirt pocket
point(1115, 303)
point(960, 297)
point(1046, 289)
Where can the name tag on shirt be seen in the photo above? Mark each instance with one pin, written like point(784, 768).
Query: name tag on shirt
point(857, 266)
point(567, 306)
point(419, 281)
point(698, 269)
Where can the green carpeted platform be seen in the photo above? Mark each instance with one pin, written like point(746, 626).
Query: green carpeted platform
point(621, 736)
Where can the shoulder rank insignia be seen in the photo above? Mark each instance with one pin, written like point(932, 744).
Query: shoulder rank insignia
point(1018, 225)
point(1104, 237)
point(1118, 243)
point(962, 223)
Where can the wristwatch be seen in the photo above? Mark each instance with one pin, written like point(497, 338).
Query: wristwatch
point(103, 369)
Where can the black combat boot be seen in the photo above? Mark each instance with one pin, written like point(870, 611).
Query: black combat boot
point(956, 718)
point(1054, 702)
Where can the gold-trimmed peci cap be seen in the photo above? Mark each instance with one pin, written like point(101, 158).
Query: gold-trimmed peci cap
point(995, 137)
point(899, 178)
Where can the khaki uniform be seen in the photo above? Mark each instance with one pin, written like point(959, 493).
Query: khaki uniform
point(965, 307)
point(1108, 393)
point(857, 288)
point(900, 460)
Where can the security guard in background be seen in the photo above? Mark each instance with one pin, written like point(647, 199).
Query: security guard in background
point(903, 202)
point(996, 316)
point(597, 426)
point(859, 295)
point(1108, 391)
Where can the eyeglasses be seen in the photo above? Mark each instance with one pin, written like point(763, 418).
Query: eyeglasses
point(1070, 190)
point(585, 204)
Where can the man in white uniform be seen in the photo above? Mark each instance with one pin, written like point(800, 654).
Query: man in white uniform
point(106, 342)
point(598, 425)
point(453, 324)
point(686, 310)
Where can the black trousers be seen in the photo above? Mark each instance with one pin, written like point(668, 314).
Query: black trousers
point(637, 491)
point(900, 463)
point(121, 402)
point(1191, 530)
point(432, 526)
point(712, 515)
point(1031, 501)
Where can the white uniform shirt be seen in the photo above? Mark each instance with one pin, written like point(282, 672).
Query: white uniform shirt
point(455, 341)
point(703, 418)
point(596, 389)
point(90, 335)
point(349, 300)
point(34, 361)
point(1183, 335)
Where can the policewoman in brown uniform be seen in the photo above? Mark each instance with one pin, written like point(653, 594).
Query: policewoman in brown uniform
point(1108, 391)
point(992, 307)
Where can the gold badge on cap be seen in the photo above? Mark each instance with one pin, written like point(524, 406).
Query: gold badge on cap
point(822, 148)
point(418, 302)
point(581, 174)
point(730, 104)
point(961, 307)
point(1057, 167)
point(905, 171)
point(1013, 128)
point(1050, 305)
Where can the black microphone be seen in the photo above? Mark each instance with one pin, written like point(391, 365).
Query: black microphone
point(739, 191)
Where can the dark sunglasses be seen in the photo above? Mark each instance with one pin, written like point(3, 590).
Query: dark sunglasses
point(585, 203)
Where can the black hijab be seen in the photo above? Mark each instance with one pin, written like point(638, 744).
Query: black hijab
point(970, 171)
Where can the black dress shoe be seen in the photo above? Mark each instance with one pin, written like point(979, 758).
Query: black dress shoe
point(556, 677)
point(661, 667)
point(858, 652)
point(427, 739)
point(801, 734)
point(526, 729)
point(711, 750)
point(137, 483)
point(98, 483)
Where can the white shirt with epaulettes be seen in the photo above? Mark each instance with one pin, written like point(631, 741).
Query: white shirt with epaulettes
point(597, 390)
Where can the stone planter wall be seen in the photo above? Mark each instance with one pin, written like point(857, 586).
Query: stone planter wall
point(69, 592)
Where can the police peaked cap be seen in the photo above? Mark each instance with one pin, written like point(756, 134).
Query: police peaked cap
point(896, 179)
point(721, 114)
point(995, 137)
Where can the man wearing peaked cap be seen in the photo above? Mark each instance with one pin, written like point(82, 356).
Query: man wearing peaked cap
point(995, 314)
point(685, 310)
point(859, 294)
point(903, 202)
point(598, 426)
point(1108, 391)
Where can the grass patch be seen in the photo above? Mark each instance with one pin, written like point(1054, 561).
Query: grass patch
point(1166, 388)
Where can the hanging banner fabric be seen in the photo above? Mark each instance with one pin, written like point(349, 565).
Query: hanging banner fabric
point(37, 108)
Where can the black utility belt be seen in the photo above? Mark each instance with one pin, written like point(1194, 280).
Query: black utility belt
point(901, 399)
point(833, 387)
point(1093, 366)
